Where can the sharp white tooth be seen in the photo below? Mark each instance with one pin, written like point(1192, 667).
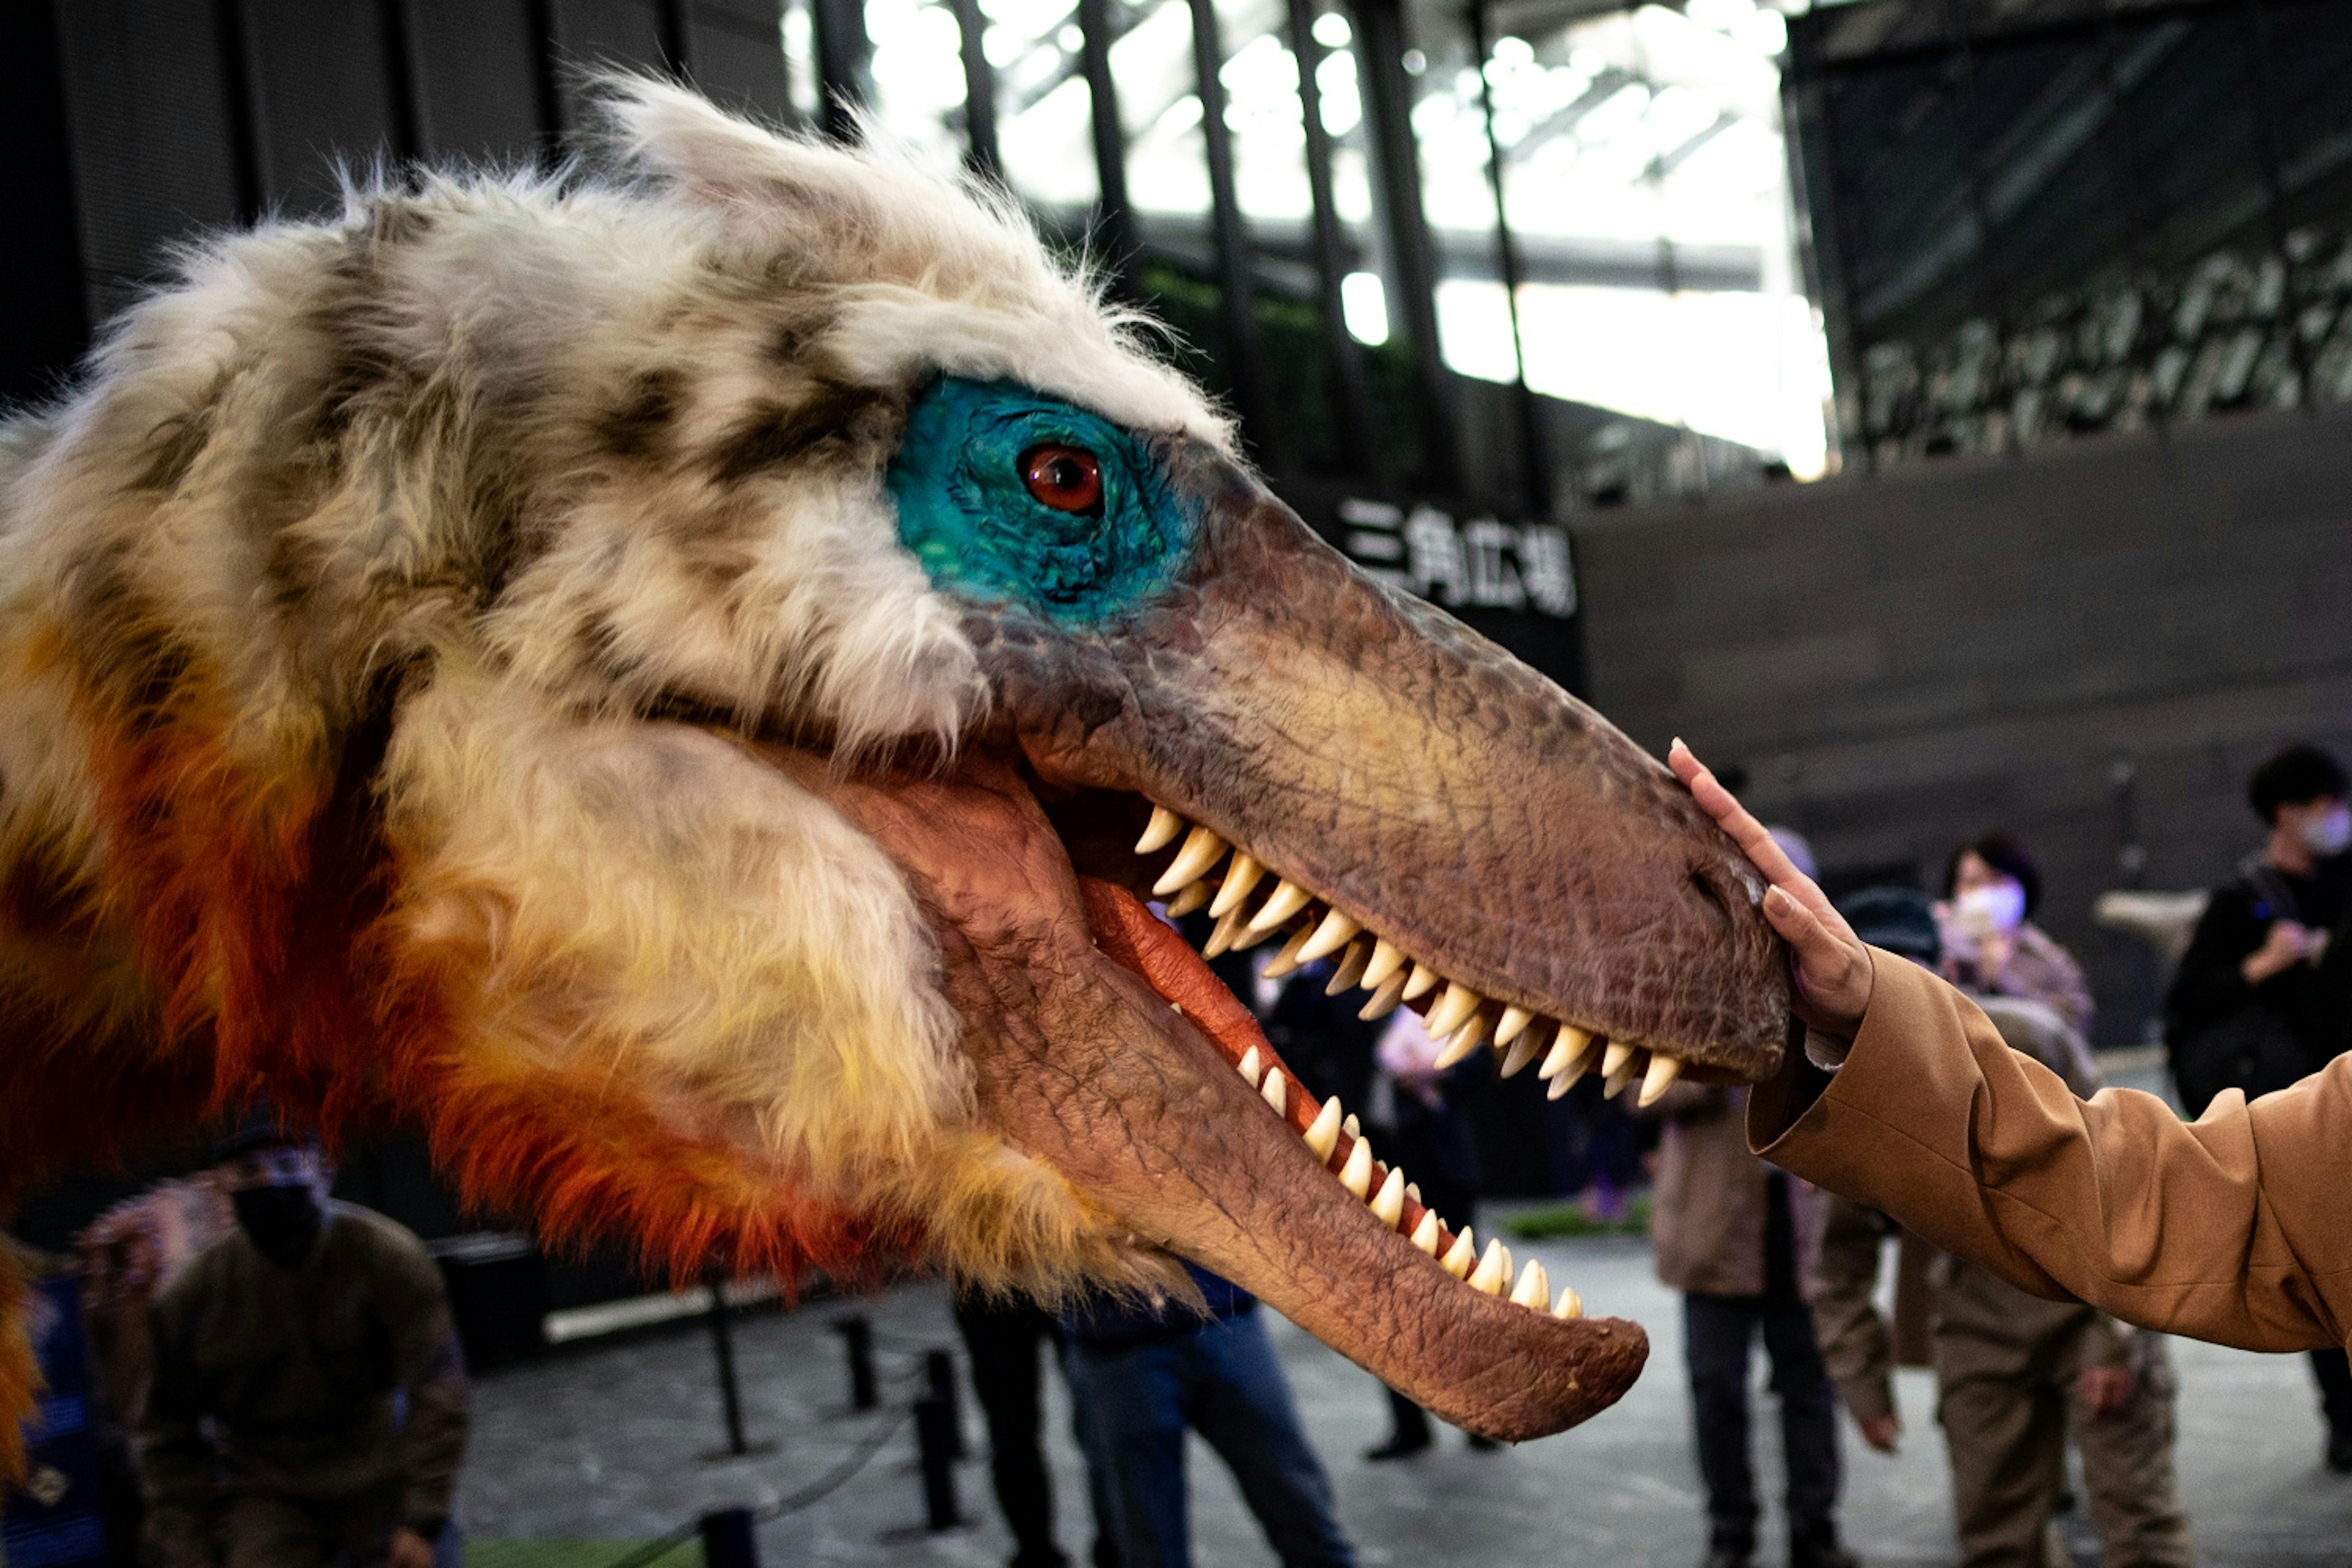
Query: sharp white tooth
point(1534, 1289)
point(1615, 1057)
point(1664, 1070)
point(1413, 1191)
point(1276, 1094)
point(1523, 1052)
point(1356, 1176)
point(1202, 848)
point(1290, 957)
point(1251, 1066)
point(1287, 899)
point(1568, 1052)
point(1191, 898)
point(1515, 1018)
point(1423, 980)
point(1560, 1086)
point(1324, 1136)
point(1240, 878)
point(1337, 930)
point(1424, 1235)
point(1161, 832)
point(1494, 1270)
point(1507, 1264)
point(1465, 1040)
point(1351, 967)
point(1387, 1203)
point(1387, 959)
point(1571, 1305)
point(1250, 938)
point(1221, 941)
point(1453, 1010)
point(1354, 1129)
point(1385, 1000)
point(1614, 1084)
point(1461, 1253)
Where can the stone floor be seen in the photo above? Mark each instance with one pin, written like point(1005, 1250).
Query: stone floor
point(609, 1443)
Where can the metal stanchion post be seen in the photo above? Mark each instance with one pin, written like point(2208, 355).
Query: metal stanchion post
point(935, 1442)
point(858, 1340)
point(940, 1365)
point(728, 1540)
point(723, 1342)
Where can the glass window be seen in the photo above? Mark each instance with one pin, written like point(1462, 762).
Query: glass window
point(1045, 116)
point(918, 85)
point(1645, 179)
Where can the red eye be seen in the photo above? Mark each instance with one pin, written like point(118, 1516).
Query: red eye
point(1063, 477)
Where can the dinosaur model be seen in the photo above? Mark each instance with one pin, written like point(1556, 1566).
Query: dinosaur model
point(678, 678)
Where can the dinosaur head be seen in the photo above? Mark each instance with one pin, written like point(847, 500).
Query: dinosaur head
point(683, 682)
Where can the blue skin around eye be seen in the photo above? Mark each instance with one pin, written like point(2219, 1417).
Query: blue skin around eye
point(966, 513)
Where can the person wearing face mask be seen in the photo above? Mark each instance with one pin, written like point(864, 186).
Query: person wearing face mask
point(1903, 1097)
point(2249, 1008)
point(1992, 946)
point(307, 1402)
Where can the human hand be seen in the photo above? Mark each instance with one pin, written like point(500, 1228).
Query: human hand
point(2285, 944)
point(407, 1549)
point(1883, 1433)
point(2103, 1389)
point(1832, 966)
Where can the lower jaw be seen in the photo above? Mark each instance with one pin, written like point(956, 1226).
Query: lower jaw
point(1478, 1352)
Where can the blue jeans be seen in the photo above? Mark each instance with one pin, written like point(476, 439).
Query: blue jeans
point(1222, 1380)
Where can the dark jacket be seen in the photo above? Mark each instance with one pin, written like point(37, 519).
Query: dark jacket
point(296, 1369)
point(2211, 1001)
point(1108, 1325)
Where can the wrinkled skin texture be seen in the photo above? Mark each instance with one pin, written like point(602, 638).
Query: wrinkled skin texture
point(1411, 772)
point(1081, 1064)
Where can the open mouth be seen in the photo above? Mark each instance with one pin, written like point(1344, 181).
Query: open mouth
point(1131, 936)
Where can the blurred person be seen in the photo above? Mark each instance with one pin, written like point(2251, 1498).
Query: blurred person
point(1992, 946)
point(1004, 1337)
point(1142, 1372)
point(2249, 1009)
point(2015, 1374)
point(1729, 1233)
point(1903, 1096)
point(1425, 1126)
point(1319, 1036)
point(306, 1394)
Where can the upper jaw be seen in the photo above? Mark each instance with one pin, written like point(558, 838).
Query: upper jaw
point(1382, 764)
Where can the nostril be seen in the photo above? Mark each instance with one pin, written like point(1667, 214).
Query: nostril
point(1713, 898)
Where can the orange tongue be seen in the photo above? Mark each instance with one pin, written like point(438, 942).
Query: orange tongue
point(1135, 939)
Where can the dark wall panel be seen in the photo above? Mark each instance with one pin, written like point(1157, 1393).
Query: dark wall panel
point(735, 50)
point(475, 68)
point(323, 97)
point(155, 156)
point(594, 33)
point(1906, 663)
point(40, 267)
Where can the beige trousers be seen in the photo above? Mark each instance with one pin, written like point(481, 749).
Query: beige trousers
point(2005, 1366)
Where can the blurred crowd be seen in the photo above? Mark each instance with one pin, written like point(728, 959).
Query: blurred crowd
point(1836, 1295)
point(280, 1378)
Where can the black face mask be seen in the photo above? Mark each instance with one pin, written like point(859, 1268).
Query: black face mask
point(281, 1222)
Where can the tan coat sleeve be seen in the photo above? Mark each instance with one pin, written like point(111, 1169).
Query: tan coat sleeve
point(2230, 1230)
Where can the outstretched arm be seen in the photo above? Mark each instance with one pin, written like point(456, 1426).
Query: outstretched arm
point(2228, 1229)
